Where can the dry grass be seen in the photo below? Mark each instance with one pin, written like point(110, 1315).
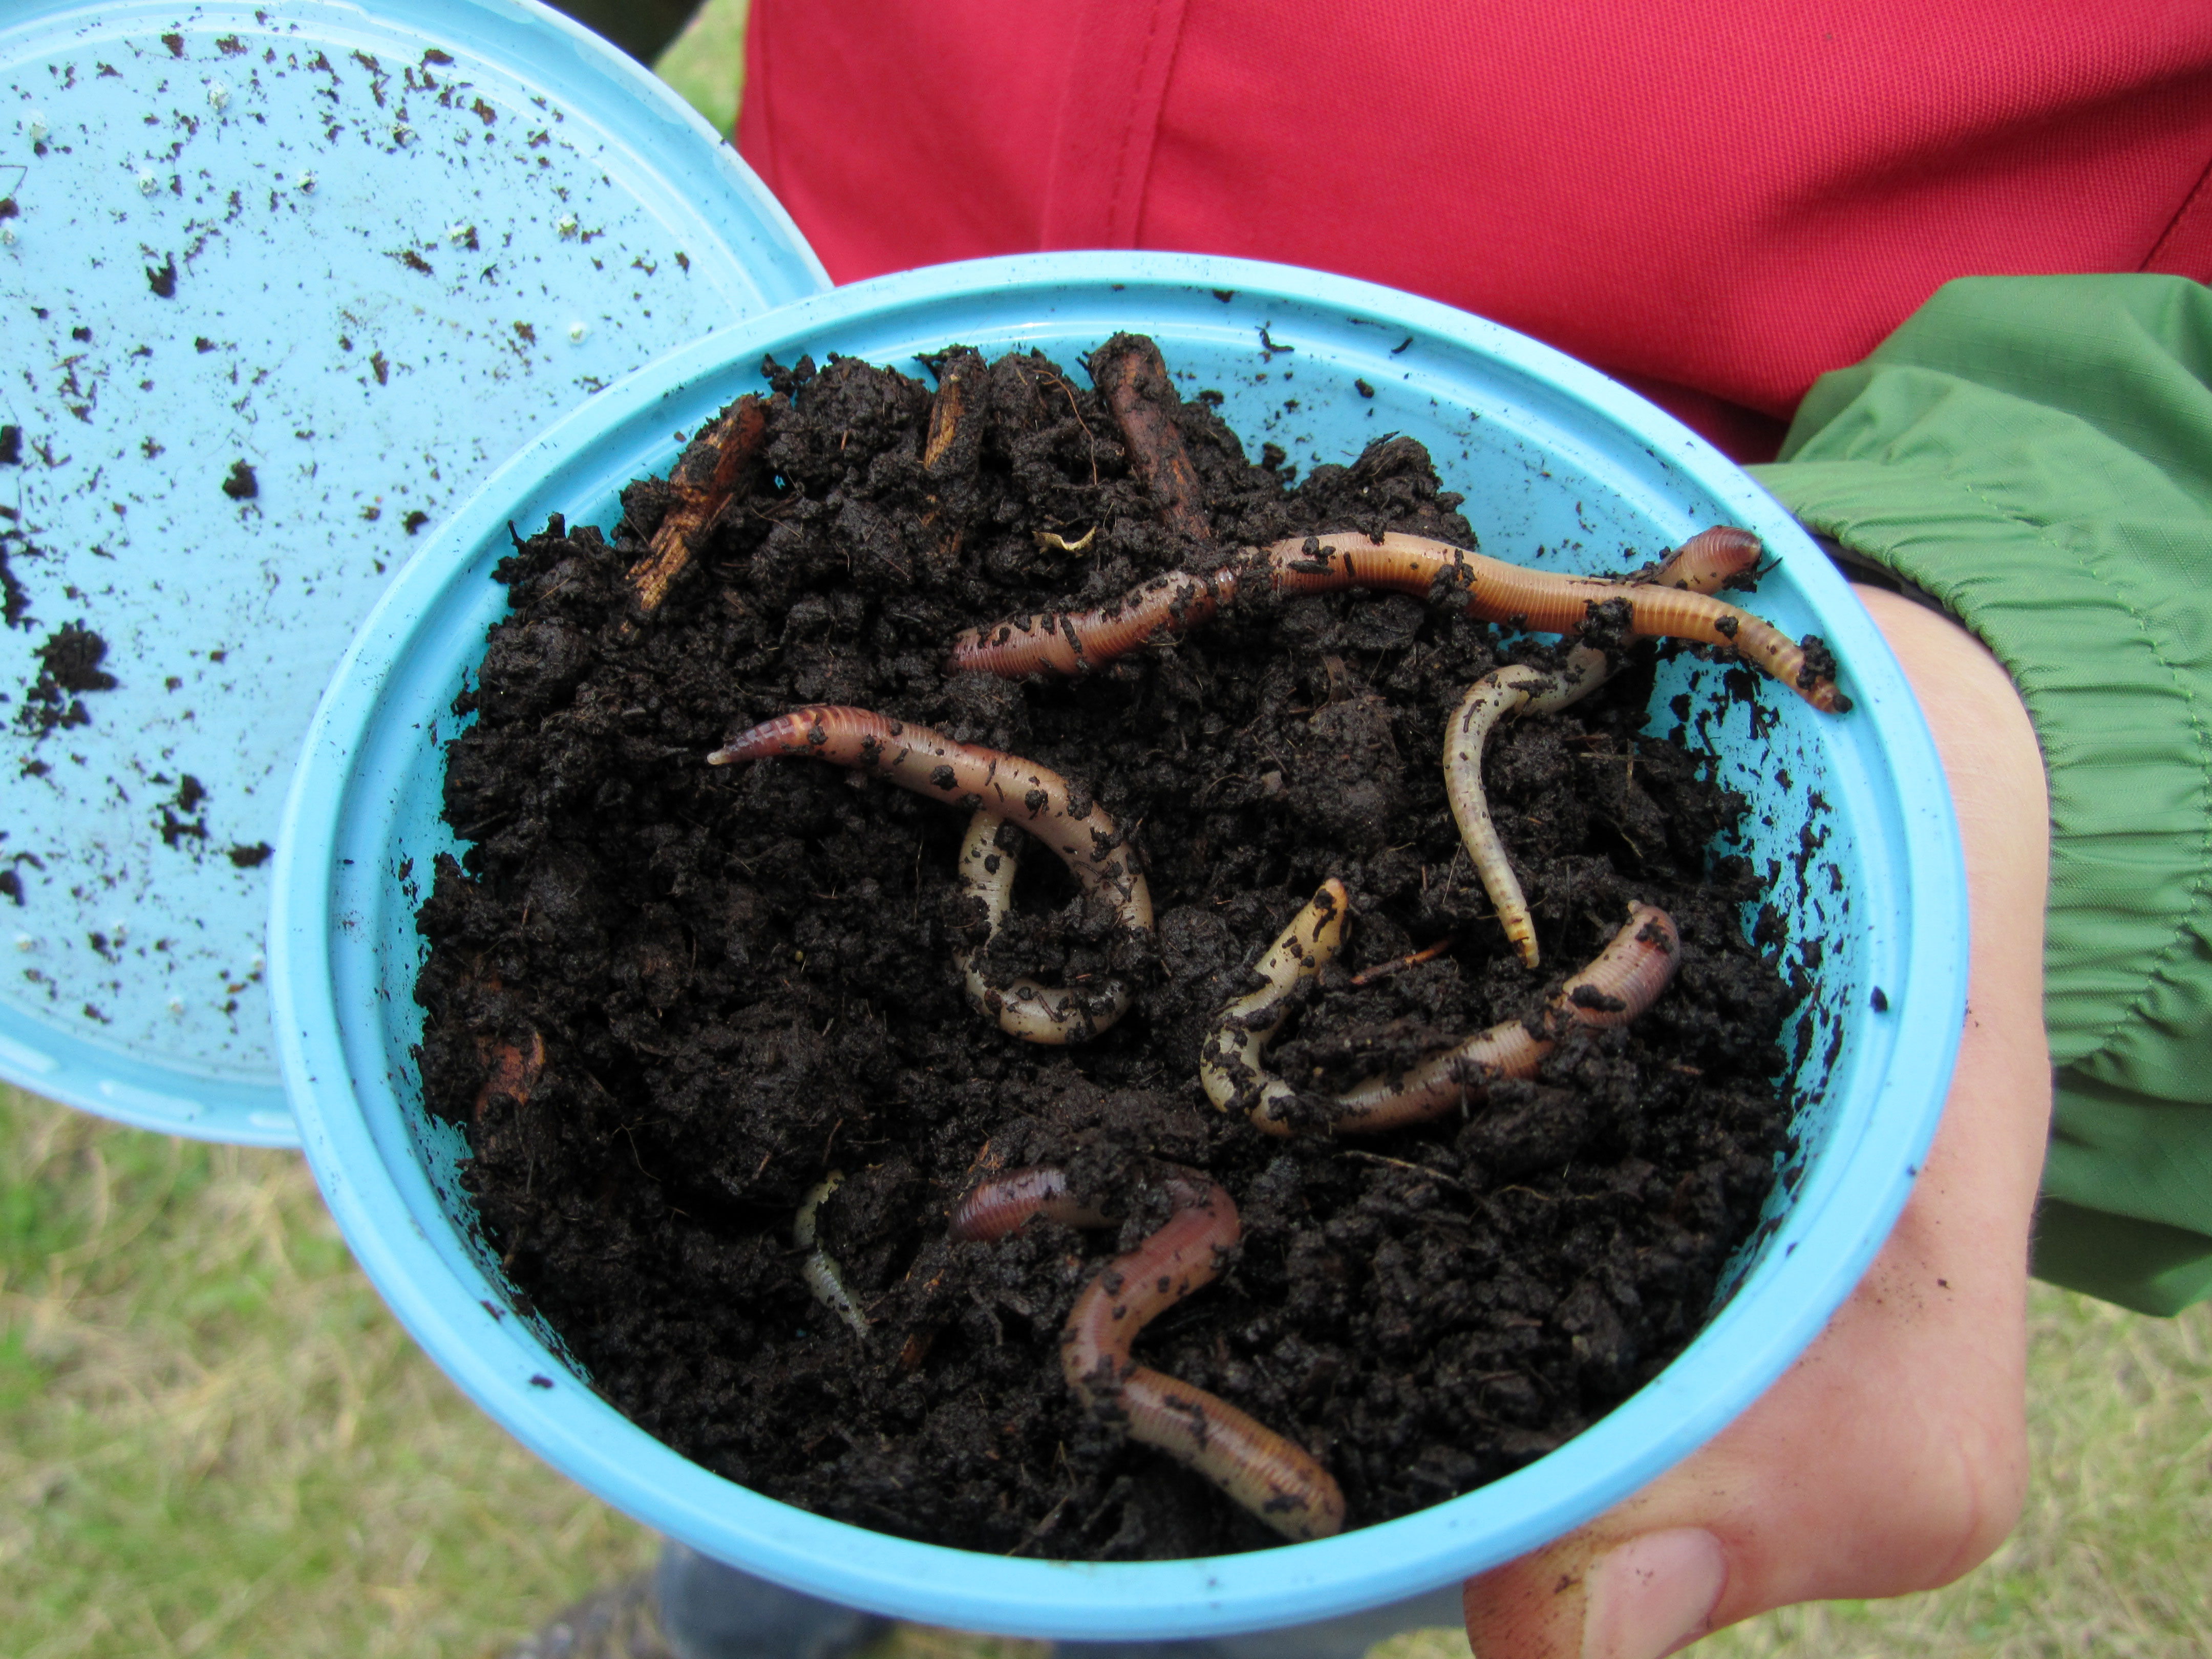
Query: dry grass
point(213, 1439)
point(216, 1440)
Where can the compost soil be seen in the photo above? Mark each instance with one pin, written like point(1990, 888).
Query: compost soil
point(666, 1000)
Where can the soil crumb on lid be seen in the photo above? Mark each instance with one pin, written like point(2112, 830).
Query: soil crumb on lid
point(69, 664)
point(667, 1002)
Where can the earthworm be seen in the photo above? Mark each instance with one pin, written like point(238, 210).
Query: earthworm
point(1021, 792)
point(710, 471)
point(1488, 701)
point(1700, 565)
point(819, 1272)
point(1130, 373)
point(1620, 983)
point(1710, 559)
point(1228, 1058)
point(1007, 1203)
point(949, 407)
point(1067, 643)
point(1267, 1475)
point(1026, 1009)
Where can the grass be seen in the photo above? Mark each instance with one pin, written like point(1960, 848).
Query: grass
point(213, 1439)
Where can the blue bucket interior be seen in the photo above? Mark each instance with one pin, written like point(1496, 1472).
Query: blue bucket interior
point(283, 280)
point(1850, 823)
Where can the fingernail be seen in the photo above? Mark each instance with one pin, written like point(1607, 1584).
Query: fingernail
point(1651, 1594)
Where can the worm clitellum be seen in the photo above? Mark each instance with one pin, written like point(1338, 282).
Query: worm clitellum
point(1271, 1477)
point(1020, 792)
point(1068, 643)
point(1620, 983)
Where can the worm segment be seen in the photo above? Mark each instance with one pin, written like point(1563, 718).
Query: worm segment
point(1229, 1059)
point(1267, 1475)
point(1006, 787)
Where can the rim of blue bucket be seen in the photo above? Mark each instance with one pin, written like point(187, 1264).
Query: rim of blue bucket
point(383, 1201)
point(231, 1089)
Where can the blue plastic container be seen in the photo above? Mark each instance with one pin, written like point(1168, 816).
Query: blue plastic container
point(1561, 468)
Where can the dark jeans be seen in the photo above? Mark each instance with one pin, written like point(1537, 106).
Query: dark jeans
point(713, 1612)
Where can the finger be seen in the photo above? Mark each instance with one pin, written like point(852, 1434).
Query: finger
point(1892, 1456)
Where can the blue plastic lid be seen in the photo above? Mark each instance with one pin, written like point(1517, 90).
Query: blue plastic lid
point(279, 286)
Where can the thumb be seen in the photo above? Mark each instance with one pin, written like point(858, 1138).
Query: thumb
point(1891, 1458)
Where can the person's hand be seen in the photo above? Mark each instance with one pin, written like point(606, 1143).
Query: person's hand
point(1893, 1456)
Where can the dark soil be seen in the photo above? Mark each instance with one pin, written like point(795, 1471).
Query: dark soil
point(744, 979)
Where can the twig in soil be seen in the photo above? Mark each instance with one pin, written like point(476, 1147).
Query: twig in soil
point(1129, 372)
point(718, 463)
point(1421, 1170)
point(1493, 591)
point(1006, 788)
point(1229, 1059)
point(1621, 981)
point(1036, 1534)
point(1382, 970)
point(1271, 1477)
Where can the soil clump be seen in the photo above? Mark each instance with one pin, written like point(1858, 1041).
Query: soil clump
point(666, 1000)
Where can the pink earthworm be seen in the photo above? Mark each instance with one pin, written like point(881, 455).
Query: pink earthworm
point(1710, 559)
point(1068, 643)
point(1008, 1203)
point(1020, 792)
point(1271, 1477)
point(1620, 983)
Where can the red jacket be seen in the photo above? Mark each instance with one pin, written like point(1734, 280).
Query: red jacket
point(1715, 200)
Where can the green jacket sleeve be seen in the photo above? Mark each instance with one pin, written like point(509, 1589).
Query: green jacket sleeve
point(2036, 455)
